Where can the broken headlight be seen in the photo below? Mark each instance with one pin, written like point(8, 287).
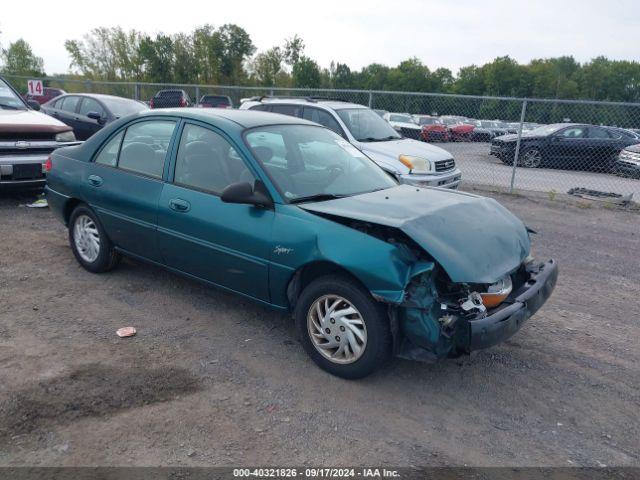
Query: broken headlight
point(497, 292)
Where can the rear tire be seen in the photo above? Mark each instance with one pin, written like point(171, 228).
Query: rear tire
point(342, 328)
point(89, 242)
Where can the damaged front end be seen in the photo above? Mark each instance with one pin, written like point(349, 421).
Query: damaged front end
point(439, 318)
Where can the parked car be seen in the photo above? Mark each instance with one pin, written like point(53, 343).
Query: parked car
point(460, 128)
point(289, 214)
point(215, 101)
point(410, 161)
point(170, 98)
point(27, 137)
point(487, 130)
point(564, 145)
point(403, 123)
point(628, 162)
point(48, 93)
point(432, 129)
point(87, 113)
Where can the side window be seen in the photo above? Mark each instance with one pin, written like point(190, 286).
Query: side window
point(90, 105)
point(206, 161)
point(599, 133)
point(573, 132)
point(291, 110)
point(323, 118)
point(109, 153)
point(145, 145)
point(70, 103)
point(262, 107)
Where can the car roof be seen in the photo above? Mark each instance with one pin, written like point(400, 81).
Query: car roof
point(97, 96)
point(243, 118)
point(332, 104)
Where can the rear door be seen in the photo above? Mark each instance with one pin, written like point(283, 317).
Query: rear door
point(226, 244)
point(603, 148)
point(124, 182)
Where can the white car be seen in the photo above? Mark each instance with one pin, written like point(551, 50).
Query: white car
point(404, 124)
point(410, 161)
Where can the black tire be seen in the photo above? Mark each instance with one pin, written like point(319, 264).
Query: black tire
point(107, 257)
point(378, 334)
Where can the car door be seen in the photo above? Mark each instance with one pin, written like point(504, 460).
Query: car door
point(124, 181)
point(568, 148)
point(324, 118)
point(223, 243)
point(88, 126)
point(67, 111)
point(603, 148)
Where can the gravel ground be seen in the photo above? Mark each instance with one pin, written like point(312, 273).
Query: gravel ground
point(212, 379)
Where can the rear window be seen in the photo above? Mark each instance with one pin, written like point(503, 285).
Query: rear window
point(169, 94)
point(216, 100)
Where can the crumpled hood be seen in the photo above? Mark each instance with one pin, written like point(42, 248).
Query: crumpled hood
point(475, 239)
point(394, 148)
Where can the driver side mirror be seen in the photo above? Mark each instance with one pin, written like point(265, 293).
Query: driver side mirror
point(33, 104)
point(243, 192)
point(96, 116)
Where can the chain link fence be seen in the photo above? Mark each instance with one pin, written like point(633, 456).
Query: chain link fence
point(504, 144)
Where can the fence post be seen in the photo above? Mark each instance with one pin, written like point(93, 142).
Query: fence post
point(136, 91)
point(88, 86)
point(197, 93)
point(370, 99)
point(516, 154)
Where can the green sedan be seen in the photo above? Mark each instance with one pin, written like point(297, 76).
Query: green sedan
point(289, 214)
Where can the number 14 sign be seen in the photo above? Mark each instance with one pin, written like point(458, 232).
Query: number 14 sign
point(34, 87)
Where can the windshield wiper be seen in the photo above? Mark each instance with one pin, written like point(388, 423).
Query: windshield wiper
point(320, 197)
point(9, 107)
point(374, 139)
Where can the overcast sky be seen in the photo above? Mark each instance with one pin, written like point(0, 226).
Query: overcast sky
point(441, 33)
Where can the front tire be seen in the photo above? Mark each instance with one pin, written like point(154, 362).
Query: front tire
point(342, 328)
point(530, 158)
point(89, 242)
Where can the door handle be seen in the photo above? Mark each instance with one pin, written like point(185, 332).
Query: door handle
point(95, 180)
point(179, 205)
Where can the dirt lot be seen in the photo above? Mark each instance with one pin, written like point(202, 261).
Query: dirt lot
point(212, 379)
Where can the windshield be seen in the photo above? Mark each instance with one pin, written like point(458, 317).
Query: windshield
point(428, 121)
point(400, 118)
point(215, 100)
point(121, 107)
point(309, 162)
point(367, 126)
point(8, 99)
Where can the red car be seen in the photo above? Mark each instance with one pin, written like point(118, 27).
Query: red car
point(459, 129)
point(48, 93)
point(433, 130)
point(215, 101)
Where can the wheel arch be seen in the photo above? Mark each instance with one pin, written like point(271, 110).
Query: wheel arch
point(307, 273)
point(69, 207)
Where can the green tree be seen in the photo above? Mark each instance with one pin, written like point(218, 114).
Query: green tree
point(306, 73)
point(293, 50)
point(267, 66)
point(19, 59)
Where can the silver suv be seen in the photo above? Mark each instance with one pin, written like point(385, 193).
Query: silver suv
point(410, 161)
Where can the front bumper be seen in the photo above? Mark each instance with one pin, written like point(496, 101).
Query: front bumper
point(506, 320)
point(449, 179)
point(22, 170)
point(625, 168)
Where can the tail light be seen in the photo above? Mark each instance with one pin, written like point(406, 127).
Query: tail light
point(151, 103)
point(183, 102)
point(48, 165)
